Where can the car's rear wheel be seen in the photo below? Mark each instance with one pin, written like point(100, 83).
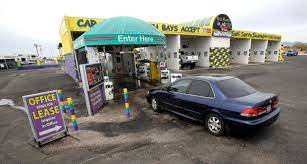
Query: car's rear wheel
point(215, 124)
point(155, 105)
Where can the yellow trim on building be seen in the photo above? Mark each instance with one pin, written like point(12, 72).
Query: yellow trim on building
point(179, 29)
point(82, 24)
point(255, 35)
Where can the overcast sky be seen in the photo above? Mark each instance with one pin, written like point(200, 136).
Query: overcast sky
point(25, 22)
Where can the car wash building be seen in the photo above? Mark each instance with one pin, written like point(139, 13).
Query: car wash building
point(212, 40)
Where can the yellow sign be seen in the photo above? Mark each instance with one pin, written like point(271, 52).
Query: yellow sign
point(255, 35)
point(81, 24)
point(71, 25)
point(182, 29)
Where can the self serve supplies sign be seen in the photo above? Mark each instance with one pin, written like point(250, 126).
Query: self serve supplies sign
point(44, 114)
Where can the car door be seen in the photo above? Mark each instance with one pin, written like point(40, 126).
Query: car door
point(199, 98)
point(176, 92)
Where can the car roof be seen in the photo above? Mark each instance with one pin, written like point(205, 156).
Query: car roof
point(211, 78)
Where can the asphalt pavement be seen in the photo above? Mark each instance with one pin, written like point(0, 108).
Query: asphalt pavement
point(148, 137)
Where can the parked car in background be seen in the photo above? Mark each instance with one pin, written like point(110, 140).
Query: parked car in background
point(292, 53)
point(188, 60)
point(217, 101)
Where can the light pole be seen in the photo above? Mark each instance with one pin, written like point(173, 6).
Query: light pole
point(36, 47)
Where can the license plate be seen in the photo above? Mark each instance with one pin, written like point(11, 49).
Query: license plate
point(269, 109)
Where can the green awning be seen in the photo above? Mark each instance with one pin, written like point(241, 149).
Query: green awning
point(121, 31)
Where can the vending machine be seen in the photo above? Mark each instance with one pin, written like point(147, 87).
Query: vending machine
point(165, 78)
point(165, 73)
point(144, 71)
point(106, 78)
point(109, 90)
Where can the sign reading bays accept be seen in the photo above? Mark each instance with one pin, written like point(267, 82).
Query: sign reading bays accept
point(44, 114)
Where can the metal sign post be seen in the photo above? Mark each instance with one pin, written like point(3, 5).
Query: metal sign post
point(45, 116)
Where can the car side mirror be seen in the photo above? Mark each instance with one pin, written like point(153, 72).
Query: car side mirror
point(171, 89)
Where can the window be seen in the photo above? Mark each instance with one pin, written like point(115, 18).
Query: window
point(175, 54)
point(180, 86)
point(169, 54)
point(201, 88)
point(275, 52)
point(238, 52)
point(235, 87)
point(261, 52)
point(205, 54)
point(245, 53)
point(255, 52)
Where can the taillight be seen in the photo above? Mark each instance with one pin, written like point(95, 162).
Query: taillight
point(252, 112)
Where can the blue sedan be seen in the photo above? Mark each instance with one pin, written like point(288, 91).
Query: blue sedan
point(218, 101)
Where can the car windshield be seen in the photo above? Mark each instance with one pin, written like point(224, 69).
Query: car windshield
point(235, 87)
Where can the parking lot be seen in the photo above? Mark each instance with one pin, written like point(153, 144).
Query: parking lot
point(149, 137)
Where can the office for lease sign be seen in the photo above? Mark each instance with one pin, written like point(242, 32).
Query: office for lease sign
point(44, 114)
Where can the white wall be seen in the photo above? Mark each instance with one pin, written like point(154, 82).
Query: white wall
point(172, 51)
point(220, 42)
point(258, 49)
point(240, 50)
point(272, 51)
point(190, 42)
point(155, 52)
point(202, 47)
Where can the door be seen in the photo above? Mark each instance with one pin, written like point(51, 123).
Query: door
point(199, 98)
point(176, 92)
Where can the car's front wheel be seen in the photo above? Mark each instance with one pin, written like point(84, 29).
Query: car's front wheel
point(215, 124)
point(155, 105)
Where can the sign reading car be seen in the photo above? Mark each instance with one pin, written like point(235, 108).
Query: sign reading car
point(86, 23)
point(80, 23)
point(43, 110)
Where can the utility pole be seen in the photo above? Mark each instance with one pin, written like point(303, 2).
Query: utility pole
point(6, 64)
point(41, 49)
point(36, 47)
